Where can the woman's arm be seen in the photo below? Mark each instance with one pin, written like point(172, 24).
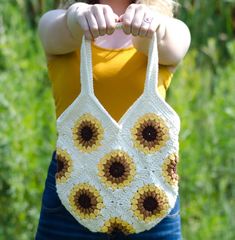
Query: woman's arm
point(174, 41)
point(61, 31)
point(54, 33)
point(173, 35)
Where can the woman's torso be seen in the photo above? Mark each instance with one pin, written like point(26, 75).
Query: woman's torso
point(119, 76)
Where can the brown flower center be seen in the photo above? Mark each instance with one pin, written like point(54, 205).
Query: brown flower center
point(116, 230)
point(63, 166)
point(117, 169)
point(84, 200)
point(116, 225)
point(150, 203)
point(149, 133)
point(86, 133)
point(60, 164)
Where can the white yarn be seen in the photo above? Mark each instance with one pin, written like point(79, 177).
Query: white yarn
point(117, 135)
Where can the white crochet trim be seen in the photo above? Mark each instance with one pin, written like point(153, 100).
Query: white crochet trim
point(117, 135)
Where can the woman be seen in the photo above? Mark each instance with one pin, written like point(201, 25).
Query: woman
point(113, 50)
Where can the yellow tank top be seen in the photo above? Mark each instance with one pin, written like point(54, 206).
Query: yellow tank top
point(119, 76)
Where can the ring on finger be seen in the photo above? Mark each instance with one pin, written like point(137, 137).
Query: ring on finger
point(145, 26)
point(148, 19)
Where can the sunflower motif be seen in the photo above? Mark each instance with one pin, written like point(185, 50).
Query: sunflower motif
point(116, 224)
point(116, 169)
point(87, 133)
point(85, 201)
point(149, 133)
point(149, 203)
point(169, 169)
point(64, 166)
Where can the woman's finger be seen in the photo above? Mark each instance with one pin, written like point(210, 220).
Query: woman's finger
point(93, 26)
point(110, 18)
point(145, 25)
point(153, 27)
point(81, 19)
point(127, 18)
point(137, 20)
point(100, 19)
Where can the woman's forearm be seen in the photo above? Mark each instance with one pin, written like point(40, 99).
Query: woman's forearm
point(174, 43)
point(55, 35)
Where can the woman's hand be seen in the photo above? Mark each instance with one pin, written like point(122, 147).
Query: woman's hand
point(140, 20)
point(173, 35)
point(95, 20)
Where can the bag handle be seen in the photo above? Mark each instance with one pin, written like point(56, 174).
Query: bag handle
point(151, 80)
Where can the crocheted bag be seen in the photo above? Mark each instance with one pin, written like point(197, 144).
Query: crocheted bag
point(118, 175)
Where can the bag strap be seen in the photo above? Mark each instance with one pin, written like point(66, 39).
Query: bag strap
point(151, 81)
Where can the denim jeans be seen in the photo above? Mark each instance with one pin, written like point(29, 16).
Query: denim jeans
point(56, 223)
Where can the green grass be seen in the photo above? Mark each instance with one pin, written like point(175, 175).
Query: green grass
point(202, 94)
point(207, 165)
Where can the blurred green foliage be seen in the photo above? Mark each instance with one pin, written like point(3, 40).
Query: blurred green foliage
point(201, 92)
